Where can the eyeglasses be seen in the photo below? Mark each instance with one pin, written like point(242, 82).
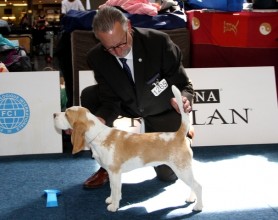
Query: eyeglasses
point(121, 45)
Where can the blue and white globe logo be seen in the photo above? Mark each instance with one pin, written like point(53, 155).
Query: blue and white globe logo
point(14, 113)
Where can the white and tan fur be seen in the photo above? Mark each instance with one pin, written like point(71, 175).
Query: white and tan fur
point(119, 151)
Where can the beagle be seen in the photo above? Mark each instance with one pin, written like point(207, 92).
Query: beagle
point(119, 151)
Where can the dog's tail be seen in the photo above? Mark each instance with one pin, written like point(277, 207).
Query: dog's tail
point(184, 116)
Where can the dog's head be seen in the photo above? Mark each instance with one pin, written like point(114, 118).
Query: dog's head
point(75, 118)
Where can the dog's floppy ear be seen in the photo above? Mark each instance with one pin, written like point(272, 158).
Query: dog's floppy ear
point(78, 136)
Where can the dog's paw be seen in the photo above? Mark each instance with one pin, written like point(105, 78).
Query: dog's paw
point(112, 208)
point(191, 198)
point(108, 200)
point(198, 207)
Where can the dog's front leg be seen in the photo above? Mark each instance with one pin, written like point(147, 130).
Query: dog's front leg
point(114, 199)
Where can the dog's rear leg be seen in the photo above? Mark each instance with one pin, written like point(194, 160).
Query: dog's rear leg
point(115, 185)
point(196, 189)
point(196, 192)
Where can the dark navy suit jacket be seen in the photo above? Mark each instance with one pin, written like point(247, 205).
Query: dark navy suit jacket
point(155, 57)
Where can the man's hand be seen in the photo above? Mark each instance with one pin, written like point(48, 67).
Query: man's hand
point(186, 105)
point(102, 120)
point(68, 131)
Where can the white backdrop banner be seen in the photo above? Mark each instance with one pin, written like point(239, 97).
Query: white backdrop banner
point(27, 103)
point(232, 106)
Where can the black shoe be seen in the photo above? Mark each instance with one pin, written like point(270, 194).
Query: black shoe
point(165, 173)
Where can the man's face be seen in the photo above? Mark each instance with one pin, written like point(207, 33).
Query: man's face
point(118, 41)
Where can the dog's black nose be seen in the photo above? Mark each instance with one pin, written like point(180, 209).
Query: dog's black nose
point(54, 115)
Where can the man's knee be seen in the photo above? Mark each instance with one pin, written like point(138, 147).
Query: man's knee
point(90, 98)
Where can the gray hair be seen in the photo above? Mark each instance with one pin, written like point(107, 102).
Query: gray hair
point(105, 19)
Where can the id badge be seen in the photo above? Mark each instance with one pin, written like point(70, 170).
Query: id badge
point(159, 87)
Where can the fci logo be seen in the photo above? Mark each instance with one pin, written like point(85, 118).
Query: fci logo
point(14, 113)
